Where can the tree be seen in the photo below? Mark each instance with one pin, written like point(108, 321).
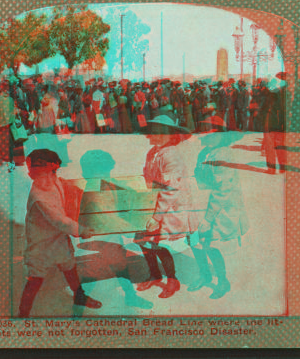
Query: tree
point(78, 36)
point(24, 41)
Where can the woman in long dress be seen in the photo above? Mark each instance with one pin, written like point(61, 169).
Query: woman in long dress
point(123, 113)
point(82, 124)
point(87, 100)
point(46, 119)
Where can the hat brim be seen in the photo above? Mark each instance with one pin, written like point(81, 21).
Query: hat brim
point(282, 75)
point(212, 126)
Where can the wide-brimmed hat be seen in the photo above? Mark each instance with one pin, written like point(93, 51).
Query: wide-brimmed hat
point(242, 83)
point(164, 121)
point(165, 81)
point(282, 75)
point(215, 123)
point(112, 84)
point(100, 81)
point(124, 82)
point(28, 82)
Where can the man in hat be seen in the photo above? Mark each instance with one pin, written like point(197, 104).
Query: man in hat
point(147, 92)
point(139, 110)
point(33, 101)
point(52, 216)
point(176, 98)
point(98, 100)
point(112, 107)
point(242, 106)
point(285, 97)
point(199, 104)
point(274, 129)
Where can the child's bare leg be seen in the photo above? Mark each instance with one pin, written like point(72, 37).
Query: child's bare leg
point(29, 293)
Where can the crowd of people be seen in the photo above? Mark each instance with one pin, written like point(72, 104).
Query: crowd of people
point(62, 104)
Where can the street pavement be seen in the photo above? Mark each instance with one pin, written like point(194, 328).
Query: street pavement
point(256, 270)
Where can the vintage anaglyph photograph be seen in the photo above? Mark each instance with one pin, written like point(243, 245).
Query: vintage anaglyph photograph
point(145, 145)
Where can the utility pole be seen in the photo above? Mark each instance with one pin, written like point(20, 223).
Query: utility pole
point(242, 51)
point(183, 65)
point(144, 66)
point(122, 61)
point(161, 44)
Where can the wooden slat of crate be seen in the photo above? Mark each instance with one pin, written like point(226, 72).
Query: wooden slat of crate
point(109, 201)
point(105, 223)
point(122, 222)
point(136, 183)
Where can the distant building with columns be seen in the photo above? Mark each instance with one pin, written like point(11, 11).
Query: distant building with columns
point(222, 65)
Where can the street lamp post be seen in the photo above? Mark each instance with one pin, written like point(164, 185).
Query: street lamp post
point(122, 61)
point(183, 69)
point(242, 51)
point(250, 56)
point(238, 45)
point(254, 29)
point(144, 66)
point(162, 49)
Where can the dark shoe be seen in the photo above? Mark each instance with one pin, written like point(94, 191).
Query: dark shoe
point(86, 301)
point(172, 286)
point(220, 290)
point(147, 285)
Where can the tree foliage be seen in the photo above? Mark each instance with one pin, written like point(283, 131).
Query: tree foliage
point(24, 41)
point(78, 35)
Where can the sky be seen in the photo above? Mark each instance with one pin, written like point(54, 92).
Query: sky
point(194, 33)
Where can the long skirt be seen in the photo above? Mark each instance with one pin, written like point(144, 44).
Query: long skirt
point(91, 117)
point(125, 121)
point(46, 120)
point(115, 118)
point(82, 124)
